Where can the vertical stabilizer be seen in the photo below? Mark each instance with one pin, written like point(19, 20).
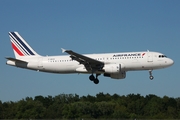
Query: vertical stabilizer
point(20, 47)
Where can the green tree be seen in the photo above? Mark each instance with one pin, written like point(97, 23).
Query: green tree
point(30, 109)
point(178, 107)
point(105, 109)
point(1, 110)
point(153, 107)
point(101, 106)
point(120, 111)
point(103, 97)
point(8, 110)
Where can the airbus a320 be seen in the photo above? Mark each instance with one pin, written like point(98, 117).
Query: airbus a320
point(113, 65)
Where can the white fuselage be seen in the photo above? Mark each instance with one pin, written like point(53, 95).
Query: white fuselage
point(130, 61)
point(114, 65)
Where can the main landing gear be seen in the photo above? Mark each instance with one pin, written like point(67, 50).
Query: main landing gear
point(94, 79)
point(150, 73)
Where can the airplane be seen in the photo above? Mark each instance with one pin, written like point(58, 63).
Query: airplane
point(113, 65)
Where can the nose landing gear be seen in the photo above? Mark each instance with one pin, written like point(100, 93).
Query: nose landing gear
point(150, 73)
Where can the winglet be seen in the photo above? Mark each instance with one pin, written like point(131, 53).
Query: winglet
point(63, 50)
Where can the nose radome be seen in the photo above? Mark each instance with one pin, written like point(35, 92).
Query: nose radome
point(171, 62)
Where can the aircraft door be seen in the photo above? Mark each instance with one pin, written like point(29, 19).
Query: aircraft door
point(150, 57)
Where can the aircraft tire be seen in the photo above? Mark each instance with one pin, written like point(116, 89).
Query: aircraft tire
point(96, 81)
point(91, 77)
point(151, 77)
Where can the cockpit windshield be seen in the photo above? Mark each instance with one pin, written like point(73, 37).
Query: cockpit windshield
point(162, 56)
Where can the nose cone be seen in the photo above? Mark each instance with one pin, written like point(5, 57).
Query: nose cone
point(170, 62)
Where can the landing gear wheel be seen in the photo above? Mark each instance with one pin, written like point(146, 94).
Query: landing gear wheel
point(91, 77)
point(151, 77)
point(150, 73)
point(96, 81)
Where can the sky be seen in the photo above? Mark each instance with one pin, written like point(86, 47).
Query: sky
point(90, 26)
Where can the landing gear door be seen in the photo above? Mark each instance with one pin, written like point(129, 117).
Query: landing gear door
point(150, 57)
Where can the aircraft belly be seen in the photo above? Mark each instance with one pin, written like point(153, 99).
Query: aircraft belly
point(32, 65)
point(139, 65)
point(133, 66)
point(66, 69)
point(59, 68)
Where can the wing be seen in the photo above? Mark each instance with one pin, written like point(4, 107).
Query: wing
point(90, 64)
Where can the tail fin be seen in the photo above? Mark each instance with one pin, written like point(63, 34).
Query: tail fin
point(20, 46)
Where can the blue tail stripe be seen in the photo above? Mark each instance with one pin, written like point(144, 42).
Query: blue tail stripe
point(19, 45)
point(22, 43)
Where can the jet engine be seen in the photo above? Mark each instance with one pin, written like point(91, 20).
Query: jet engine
point(115, 71)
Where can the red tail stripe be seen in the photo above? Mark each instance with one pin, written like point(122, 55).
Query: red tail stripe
point(17, 50)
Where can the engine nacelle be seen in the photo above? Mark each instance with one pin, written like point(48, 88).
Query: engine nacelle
point(113, 68)
point(120, 75)
point(115, 71)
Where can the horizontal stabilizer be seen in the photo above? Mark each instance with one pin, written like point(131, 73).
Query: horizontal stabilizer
point(15, 60)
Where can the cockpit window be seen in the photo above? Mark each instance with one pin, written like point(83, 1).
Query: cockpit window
point(162, 56)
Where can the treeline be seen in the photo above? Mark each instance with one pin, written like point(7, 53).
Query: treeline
point(101, 106)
